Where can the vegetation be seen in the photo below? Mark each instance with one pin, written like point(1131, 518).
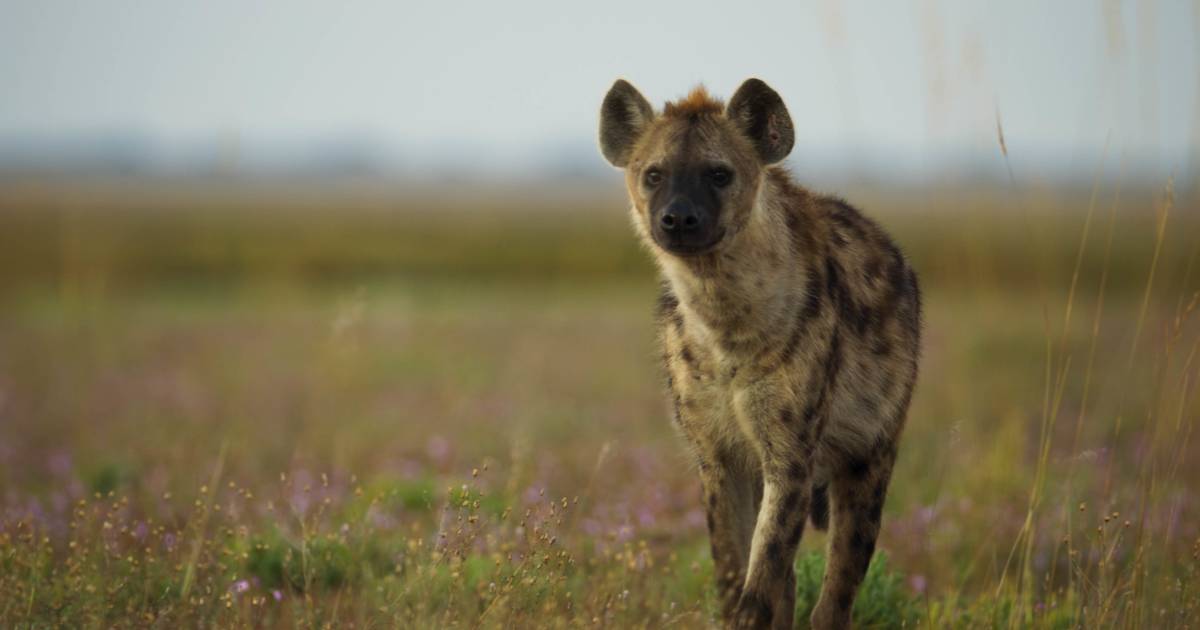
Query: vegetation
point(325, 407)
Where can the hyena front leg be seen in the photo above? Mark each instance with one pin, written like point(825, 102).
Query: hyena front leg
point(857, 493)
point(769, 593)
point(732, 492)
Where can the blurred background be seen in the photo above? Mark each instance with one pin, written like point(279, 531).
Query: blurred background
point(312, 252)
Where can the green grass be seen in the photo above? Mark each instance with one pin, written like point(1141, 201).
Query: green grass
point(283, 412)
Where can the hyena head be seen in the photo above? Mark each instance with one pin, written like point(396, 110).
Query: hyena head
point(693, 171)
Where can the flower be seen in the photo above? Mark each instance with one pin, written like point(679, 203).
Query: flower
point(918, 583)
point(438, 449)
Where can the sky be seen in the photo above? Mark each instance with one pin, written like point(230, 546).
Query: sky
point(912, 86)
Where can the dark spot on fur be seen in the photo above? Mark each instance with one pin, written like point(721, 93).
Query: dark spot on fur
point(833, 363)
point(798, 471)
point(876, 511)
point(846, 216)
point(797, 533)
point(857, 468)
point(864, 559)
point(863, 319)
point(723, 459)
point(686, 354)
point(762, 609)
point(793, 342)
point(819, 507)
point(860, 317)
point(833, 283)
point(860, 540)
point(787, 416)
point(790, 502)
point(812, 296)
point(845, 598)
point(872, 271)
point(881, 348)
point(667, 302)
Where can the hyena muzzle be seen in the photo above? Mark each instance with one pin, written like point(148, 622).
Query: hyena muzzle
point(790, 327)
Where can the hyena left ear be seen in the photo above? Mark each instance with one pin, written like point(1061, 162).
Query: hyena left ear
point(623, 117)
point(759, 112)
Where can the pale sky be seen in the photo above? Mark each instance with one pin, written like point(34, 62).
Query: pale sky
point(918, 83)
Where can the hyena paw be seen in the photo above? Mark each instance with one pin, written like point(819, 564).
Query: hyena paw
point(824, 617)
point(753, 612)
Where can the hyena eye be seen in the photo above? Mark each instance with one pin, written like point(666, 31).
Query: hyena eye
point(653, 177)
point(720, 177)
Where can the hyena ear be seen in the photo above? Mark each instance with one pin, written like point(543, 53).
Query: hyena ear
point(623, 117)
point(759, 112)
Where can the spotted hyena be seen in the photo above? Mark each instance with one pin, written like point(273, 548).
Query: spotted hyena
point(790, 327)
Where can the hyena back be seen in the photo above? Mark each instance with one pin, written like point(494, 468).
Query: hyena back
point(790, 329)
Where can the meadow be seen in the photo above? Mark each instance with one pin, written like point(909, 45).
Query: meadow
point(361, 405)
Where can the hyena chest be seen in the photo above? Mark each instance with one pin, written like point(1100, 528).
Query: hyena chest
point(706, 393)
point(712, 399)
point(710, 387)
point(735, 320)
point(718, 373)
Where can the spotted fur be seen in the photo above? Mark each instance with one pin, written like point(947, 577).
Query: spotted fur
point(790, 344)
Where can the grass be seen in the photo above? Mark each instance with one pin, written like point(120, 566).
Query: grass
point(292, 410)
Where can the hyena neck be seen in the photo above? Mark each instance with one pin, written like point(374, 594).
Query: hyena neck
point(737, 298)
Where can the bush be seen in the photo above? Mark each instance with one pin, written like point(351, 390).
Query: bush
point(883, 600)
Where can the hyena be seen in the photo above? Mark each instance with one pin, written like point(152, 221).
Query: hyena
point(790, 327)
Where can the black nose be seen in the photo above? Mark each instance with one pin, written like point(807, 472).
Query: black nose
point(680, 217)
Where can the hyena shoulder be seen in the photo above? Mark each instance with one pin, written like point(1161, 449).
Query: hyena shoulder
point(868, 278)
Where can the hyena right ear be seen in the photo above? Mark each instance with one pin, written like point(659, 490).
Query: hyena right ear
point(623, 117)
point(759, 112)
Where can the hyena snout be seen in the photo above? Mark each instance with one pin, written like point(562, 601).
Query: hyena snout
point(682, 226)
point(681, 217)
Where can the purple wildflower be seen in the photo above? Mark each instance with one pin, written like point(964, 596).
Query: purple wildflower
point(918, 584)
point(438, 449)
point(59, 463)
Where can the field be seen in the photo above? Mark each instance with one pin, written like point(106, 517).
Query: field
point(302, 405)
